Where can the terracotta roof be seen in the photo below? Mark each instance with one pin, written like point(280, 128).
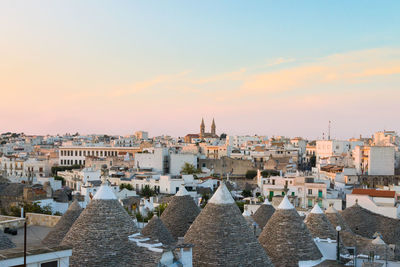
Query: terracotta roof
point(374, 192)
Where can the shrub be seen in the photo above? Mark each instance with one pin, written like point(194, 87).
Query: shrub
point(250, 174)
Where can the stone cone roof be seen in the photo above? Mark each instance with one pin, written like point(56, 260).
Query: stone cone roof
point(156, 229)
point(263, 214)
point(222, 237)
point(286, 238)
point(179, 215)
point(336, 219)
point(366, 223)
point(350, 239)
point(99, 237)
point(56, 235)
point(5, 242)
point(319, 225)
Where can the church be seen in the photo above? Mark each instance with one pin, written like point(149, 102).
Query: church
point(203, 135)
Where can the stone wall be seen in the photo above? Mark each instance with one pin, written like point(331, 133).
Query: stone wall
point(42, 219)
point(11, 222)
point(379, 180)
point(236, 167)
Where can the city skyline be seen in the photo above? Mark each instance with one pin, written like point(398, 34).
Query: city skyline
point(257, 68)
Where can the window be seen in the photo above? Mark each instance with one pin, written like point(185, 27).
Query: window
point(310, 191)
point(292, 193)
point(273, 182)
point(319, 193)
point(49, 264)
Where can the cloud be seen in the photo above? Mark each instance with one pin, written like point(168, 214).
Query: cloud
point(151, 83)
point(346, 68)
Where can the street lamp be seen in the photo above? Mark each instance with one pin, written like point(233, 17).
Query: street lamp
point(338, 229)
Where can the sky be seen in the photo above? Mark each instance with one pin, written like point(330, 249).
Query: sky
point(257, 67)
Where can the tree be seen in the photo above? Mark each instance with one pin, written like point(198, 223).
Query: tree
point(160, 208)
point(59, 178)
point(240, 205)
point(246, 193)
point(250, 174)
point(147, 191)
point(313, 160)
point(268, 173)
point(188, 168)
point(222, 136)
point(127, 186)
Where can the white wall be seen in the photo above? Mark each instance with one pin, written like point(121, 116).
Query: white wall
point(381, 160)
point(368, 203)
point(178, 160)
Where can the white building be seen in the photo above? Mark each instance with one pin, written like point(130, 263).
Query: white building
point(76, 155)
point(177, 161)
point(156, 160)
point(374, 160)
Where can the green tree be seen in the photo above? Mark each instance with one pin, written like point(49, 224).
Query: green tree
point(59, 178)
point(246, 193)
point(313, 160)
point(240, 204)
point(268, 173)
point(147, 191)
point(127, 186)
point(160, 208)
point(188, 168)
point(250, 174)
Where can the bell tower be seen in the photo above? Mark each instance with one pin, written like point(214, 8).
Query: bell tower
point(213, 128)
point(202, 129)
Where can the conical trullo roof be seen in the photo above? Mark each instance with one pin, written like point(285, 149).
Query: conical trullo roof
point(156, 229)
point(350, 239)
point(221, 236)
point(56, 235)
point(5, 242)
point(263, 213)
point(180, 213)
point(319, 225)
point(336, 219)
point(366, 223)
point(286, 238)
point(99, 237)
point(251, 223)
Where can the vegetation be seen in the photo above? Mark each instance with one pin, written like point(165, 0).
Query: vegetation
point(268, 173)
point(246, 193)
point(55, 169)
point(141, 218)
point(222, 136)
point(189, 169)
point(147, 191)
point(28, 207)
point(59, 178)
point(127, 186)
point(160, 208)
point(240, 205)
point(313, 160)
point(250, 174)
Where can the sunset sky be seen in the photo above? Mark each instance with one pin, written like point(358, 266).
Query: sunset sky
point(257, 67)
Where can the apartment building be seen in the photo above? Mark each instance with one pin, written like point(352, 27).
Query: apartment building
point(76, 155)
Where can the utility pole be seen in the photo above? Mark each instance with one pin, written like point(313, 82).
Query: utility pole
point(25, 243)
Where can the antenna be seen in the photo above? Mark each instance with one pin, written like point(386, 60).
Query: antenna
point(329, 130)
